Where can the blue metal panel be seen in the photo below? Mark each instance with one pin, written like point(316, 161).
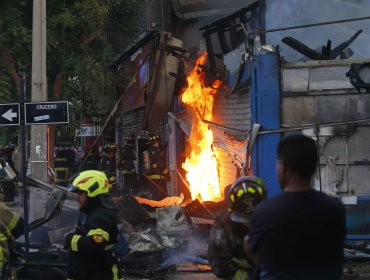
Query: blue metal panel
point(357, 237)
point(265, 109)
point(357, 219)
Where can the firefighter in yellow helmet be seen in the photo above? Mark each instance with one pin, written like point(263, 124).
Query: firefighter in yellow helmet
point(11, 227)
point(225, 246)
point(88, 257)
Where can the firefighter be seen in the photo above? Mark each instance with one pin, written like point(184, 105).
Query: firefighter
point(108, 162)
point(155, 172)
point(225, 247)
point(127, 166)
point(11, 228)
point(71, 160)
point(61, 166)
point(90, 161)
point(7, 184)
point(96, 231)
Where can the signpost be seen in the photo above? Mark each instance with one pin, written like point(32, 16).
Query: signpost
point(22, 114)
point(34, 113)
point(9, 114)
point(46, 112)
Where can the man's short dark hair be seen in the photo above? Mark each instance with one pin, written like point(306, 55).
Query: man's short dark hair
point(299, 154)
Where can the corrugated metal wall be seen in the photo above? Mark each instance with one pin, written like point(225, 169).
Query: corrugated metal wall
point(232, 112)
point(319, 92)
point(129, 123)
point(132, 122)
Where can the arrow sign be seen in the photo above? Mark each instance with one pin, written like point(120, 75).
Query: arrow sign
point(9, 113)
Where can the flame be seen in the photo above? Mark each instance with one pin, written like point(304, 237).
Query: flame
point(201, 164)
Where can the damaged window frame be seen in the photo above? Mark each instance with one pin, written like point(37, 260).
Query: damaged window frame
point(241, 28)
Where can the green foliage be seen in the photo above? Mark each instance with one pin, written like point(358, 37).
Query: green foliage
point(81, 44)
point(5, 89)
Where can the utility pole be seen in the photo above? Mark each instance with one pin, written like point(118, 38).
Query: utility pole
point(39, 136)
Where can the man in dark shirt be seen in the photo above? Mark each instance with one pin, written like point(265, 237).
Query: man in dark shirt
point(298, 234)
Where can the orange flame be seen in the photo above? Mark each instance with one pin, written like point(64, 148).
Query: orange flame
point(201, 164)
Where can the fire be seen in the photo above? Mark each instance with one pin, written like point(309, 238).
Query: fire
point(201, 164)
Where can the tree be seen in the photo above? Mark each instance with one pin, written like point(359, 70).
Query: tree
point(81, 44)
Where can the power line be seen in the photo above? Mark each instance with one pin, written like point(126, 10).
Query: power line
point(359, 121)
point(314, 24)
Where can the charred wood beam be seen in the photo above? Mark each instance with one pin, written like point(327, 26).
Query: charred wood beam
point(326, 54)
point(339, 49)
point(303, 49)
point(211, 59)
point(178, 53)
point(233, 35)
point(326, 49)
point(221, 38)
point(180, 82)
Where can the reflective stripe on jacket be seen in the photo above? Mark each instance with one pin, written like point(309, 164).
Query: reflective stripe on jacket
point(158, 167)
point(11, 227)
point(86, 256)
point(127, 158)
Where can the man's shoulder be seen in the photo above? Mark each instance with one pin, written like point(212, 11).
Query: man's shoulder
point(330, 201)
point(271, 205)
point(101, 214)
point(272, 201)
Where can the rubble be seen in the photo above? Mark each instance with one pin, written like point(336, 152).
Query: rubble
point(167, 239)
point(173, 240)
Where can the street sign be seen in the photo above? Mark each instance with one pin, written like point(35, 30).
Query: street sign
point(46, 112)
point(9, 114)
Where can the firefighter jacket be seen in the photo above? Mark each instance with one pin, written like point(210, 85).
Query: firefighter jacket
point(157, 170)
point(127, 158)
point(61, 168)
point(11, 227)
point(87, 246)
point(91, 161)
point(225, 249)
point(108, 166)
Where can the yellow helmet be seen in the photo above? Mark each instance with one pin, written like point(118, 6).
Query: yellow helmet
point(93, 182)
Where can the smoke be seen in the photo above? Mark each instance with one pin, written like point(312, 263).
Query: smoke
point(194, 250)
